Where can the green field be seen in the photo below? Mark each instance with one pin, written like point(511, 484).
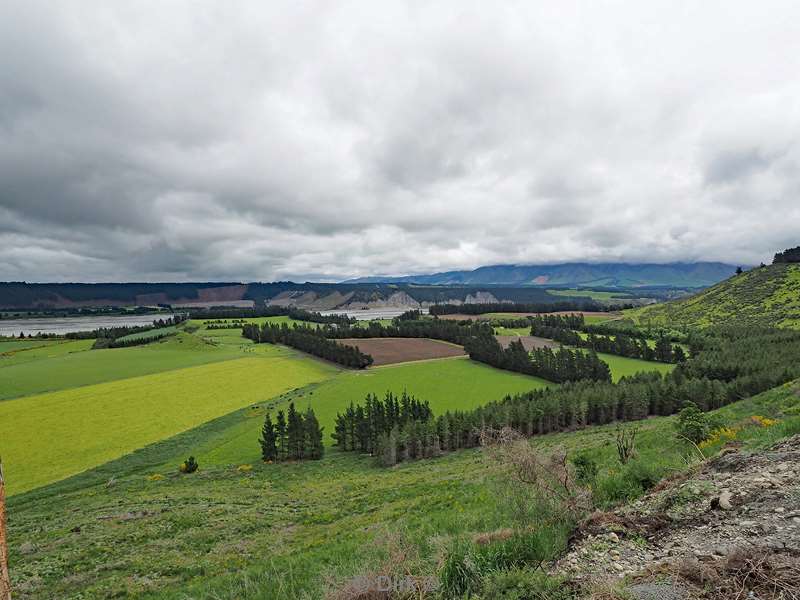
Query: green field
point(447, 384)
point(512, 331)
point(594, 295)
point(622, 366)
point(8, 345)
point(72, 364)
point(89, 425)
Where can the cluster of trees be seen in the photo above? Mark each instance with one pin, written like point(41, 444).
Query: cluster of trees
point(293, 436)
point(622, 345)
point(362, 428)
point(559, 365)
point(518, 307)
point(307, 339)
point(734, 363)
point(38, 335)
point(571, 321)
point(134, 341)
point(562, 329)
point(626, 327)
point(107, 337)
point(410, 315)
point(297, 314)
point(790, 255)
point(225, 324)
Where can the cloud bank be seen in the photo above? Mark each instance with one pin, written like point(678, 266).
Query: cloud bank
point(315, 140)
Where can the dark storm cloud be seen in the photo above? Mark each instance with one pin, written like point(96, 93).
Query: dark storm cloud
point(198, 140)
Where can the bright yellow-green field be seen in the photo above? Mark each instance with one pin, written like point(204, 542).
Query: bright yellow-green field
point(52, 436)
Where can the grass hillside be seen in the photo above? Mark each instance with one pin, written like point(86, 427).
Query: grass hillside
point(764, 296)
point(136, 528)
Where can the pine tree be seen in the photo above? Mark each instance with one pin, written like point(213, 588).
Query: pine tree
point(314, 448)
point(294, 433)
point(280, 434)
point(269, 450)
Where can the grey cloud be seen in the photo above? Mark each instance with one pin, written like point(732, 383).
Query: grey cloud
point(730, 166)
point(192, 140)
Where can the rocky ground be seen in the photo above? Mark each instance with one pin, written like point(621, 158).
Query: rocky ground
point(737, 515)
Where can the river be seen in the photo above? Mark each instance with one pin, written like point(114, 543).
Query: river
point(62, 325)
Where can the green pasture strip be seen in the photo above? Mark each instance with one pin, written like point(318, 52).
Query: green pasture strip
point(152, 333)
point(53, 370)
point(7, 345)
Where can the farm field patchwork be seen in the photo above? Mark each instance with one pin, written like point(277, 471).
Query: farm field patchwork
point(387, 351)
point(73, 364)
point(90, 425)
point(447, 384)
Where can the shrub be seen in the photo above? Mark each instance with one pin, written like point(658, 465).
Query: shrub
point(189, 465)
point(460, 574)
point(524, 584)
point(626, 443)
point(627, 484)
point(693, 424)
point(645, 474)
point(585, 468)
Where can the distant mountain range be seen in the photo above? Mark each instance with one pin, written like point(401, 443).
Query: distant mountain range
point(606, 275)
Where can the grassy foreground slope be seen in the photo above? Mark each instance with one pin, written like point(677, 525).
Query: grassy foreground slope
point(290, 530)
point(62, 433)
point(764, 296)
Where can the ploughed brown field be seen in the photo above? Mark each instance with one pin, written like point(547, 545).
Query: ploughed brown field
point(388, 351)
point(585, 313)
point(529, 342)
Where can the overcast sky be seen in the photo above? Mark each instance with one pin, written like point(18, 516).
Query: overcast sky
point(174, 141)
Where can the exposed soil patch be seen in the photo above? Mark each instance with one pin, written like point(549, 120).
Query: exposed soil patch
point(387, 351)
point(529, 342)
point(737, 517)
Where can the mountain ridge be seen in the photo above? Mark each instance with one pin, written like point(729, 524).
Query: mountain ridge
point(613, 275)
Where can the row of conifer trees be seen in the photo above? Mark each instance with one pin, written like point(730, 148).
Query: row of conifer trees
point(307, 339)
point(558, 365)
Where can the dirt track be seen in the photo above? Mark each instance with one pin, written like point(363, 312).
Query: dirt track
point(387, 351)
